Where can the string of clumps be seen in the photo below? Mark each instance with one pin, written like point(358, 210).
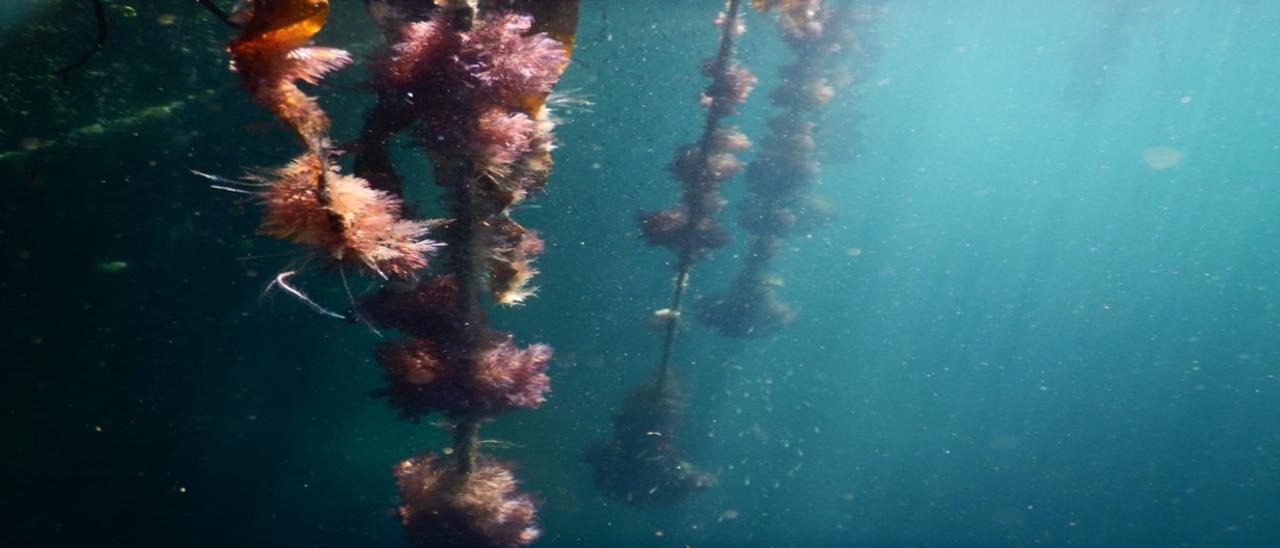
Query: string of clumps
point(474, 83)
point(691, 228)
point(471, 81)
point(781, 177)
point(642, 463)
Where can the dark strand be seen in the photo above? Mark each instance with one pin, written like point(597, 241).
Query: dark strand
point(100, 18)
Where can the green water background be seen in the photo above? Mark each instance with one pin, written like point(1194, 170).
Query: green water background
point(1039, 339)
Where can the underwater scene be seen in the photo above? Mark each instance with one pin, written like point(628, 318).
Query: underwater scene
point(687, 273)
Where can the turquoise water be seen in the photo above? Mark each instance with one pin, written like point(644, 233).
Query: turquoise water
point(1017, 330)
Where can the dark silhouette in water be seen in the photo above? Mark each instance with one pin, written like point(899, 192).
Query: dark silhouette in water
point(642, 463)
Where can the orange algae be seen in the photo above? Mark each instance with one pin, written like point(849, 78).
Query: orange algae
point(270, 54)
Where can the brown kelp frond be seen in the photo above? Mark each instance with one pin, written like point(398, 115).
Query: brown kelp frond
point(270, 54)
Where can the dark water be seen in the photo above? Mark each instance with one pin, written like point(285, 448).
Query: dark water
point(1018, 330)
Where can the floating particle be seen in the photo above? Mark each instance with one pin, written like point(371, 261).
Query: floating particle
point(854, 251)
point(166, 19)
point(1161, 157)
point(30, 144)
point(663, 316)
point(111, 267)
